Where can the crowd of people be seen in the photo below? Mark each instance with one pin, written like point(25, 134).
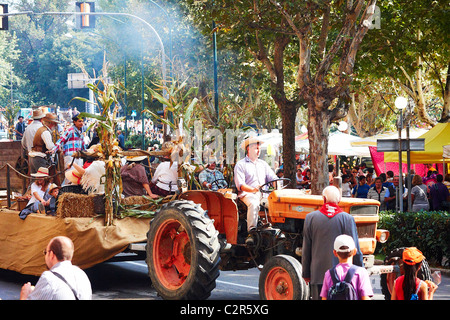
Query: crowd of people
point(429, 192)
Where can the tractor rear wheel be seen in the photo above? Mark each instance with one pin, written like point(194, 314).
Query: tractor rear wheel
point(281, 279)
point(183, 252)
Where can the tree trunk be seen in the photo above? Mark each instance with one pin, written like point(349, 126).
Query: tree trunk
point(446, 110)
point(318, 147)
point(288, 115)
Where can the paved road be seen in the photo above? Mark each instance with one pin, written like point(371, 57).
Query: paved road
point(129, 281)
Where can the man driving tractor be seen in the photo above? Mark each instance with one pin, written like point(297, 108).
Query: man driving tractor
point(250, 174)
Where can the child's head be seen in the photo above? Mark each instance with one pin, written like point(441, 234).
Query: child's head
point(344, 247)
point(54, 190)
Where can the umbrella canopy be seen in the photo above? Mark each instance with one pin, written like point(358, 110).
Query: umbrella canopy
point(339, 144)
point(372, 140)
point(435, 139)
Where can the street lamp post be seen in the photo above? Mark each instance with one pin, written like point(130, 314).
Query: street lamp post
point(400, 104)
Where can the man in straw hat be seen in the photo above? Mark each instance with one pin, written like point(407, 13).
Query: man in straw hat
point(43, 143)
point(30, 130)
point(250, 174)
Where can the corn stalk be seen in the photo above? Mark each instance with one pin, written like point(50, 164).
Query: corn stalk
point(109, 152)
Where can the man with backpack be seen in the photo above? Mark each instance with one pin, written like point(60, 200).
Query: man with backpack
point(346, 281)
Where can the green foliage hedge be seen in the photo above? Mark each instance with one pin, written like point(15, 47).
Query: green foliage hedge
point(428, 231)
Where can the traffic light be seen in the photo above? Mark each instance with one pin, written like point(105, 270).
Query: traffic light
point(4, 19)
point(85, 21)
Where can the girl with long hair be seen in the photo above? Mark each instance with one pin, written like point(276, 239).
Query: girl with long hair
point(409, 286)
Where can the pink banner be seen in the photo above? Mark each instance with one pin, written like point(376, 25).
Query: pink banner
point(380, 166)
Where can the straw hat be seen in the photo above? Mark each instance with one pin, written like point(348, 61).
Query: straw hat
point(51, 117)
point(73, 176)
point(135, 158)
point(249, 141)
point(38, 114)
point(41, 173)
point(53, 186)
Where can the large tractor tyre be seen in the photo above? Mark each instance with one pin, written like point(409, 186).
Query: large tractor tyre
point(183, 252)
point(395, 259)
point(281, 279)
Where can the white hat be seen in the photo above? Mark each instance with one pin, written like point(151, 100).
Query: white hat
point(344, 241)
point(250, 141)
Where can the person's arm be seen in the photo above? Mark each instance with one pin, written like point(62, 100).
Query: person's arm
point(149, 192)
point(306, 250)
point(430, 288)
point(248, 189)
point(27, 288)
point(423, 291)
point(239, 179)
point(62, 140)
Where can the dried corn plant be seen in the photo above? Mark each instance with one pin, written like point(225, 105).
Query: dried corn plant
point(109, 151)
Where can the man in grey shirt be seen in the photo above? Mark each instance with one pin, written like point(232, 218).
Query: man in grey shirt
point(320, 229)
point(63, 281)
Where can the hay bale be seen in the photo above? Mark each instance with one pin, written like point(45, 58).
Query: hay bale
point(76, 205)
point(144, 202)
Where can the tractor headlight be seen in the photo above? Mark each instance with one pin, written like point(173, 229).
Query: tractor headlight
point(382, 235)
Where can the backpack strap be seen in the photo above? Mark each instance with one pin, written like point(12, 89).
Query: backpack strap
point(418, 287)
point(350, 273)
point(333, 275)
point(348, 277)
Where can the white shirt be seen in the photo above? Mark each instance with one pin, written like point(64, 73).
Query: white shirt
point(38, 189)
point(253, 174)
point(166, 176)
point(29, 133)
point(50, 287)
point(346, 189)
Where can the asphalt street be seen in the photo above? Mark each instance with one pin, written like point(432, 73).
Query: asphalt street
point(129, 281)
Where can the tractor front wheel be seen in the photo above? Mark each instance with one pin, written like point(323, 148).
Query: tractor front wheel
point(281, 279)
point(183, 252)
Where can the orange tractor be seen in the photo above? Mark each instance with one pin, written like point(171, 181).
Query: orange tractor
point(202, 232)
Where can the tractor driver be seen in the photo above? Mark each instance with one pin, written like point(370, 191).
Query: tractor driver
point(250, 174)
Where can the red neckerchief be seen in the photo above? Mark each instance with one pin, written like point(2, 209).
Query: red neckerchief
point(330, 209)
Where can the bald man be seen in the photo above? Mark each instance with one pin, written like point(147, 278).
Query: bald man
point(63, 281)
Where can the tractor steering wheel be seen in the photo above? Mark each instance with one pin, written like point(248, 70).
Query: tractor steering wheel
point(269, 184)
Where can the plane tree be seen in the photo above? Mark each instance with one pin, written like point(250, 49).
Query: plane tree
point(308, 50)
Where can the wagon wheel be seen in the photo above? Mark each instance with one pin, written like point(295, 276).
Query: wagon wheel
point(281, 279)
point(22, 166)
point(183, 252)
